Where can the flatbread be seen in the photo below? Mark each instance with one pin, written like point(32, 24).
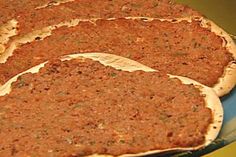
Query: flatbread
point(228, 80)
point(34, 15)
point(225, 83)
point(211, 99)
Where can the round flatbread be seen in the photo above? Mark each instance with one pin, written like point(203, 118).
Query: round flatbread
point(35, 15)
point(228, 80)
point(211, 101)
point(203, 53)
point(23, 17)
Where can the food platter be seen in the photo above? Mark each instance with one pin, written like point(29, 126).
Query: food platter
point(28, 42)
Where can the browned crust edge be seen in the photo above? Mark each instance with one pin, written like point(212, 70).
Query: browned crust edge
point(228, 80)
point(211, 99)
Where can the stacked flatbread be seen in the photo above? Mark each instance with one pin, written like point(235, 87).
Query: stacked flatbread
point(128, 89)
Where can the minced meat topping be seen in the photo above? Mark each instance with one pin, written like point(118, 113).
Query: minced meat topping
point(181, 48)
point(78, 108)
point(32, 17)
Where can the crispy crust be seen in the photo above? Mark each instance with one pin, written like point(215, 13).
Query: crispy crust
point(225, 83)
point(117, 62)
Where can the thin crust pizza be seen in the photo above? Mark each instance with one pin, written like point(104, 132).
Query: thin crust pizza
point(190, 47)
point(35, 15)
point(77, 106)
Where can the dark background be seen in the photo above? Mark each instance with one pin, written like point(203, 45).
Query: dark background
point(222, 12)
